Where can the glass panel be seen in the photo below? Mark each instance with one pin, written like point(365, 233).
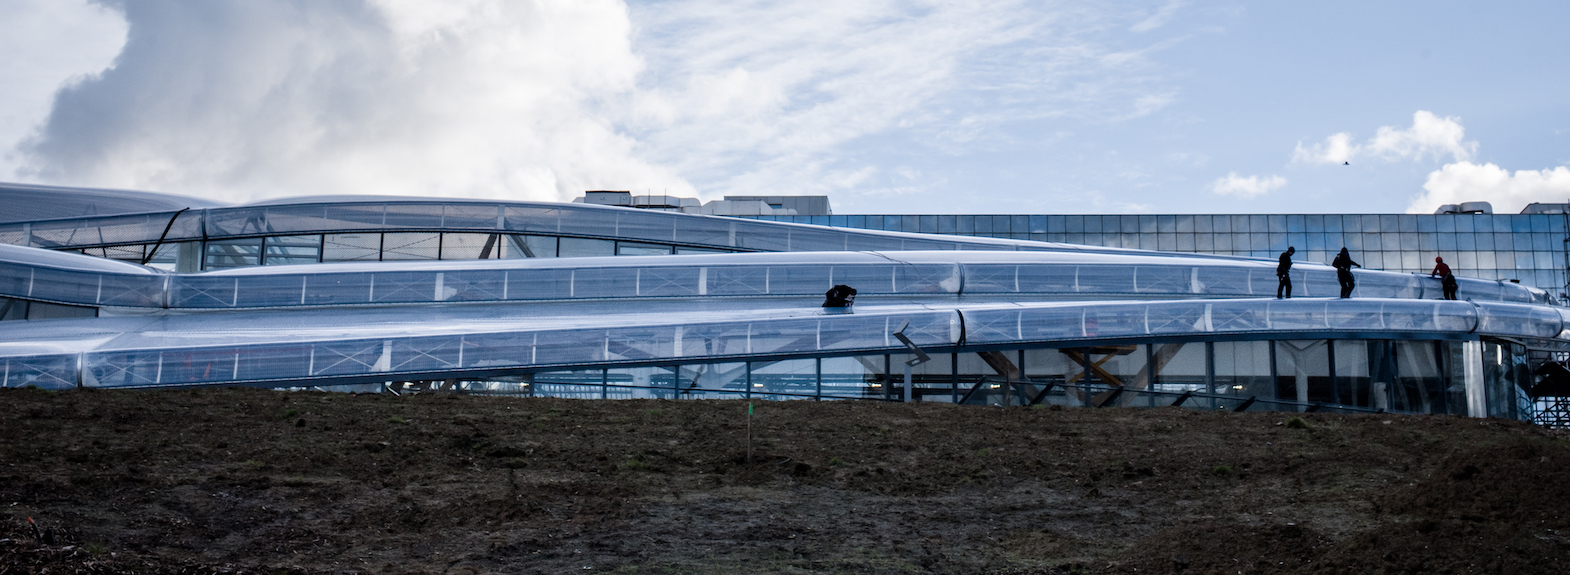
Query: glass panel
point(471, 246)
point(1352, 385)
point(1095, 373)
point(286, 250)
point(639, 249)
point(583, 247)
point(683, 250)
point(1506, 377)
point(1180, 368)
point(651, 382)
point(712, 381)
point(351, 247)
point(404, 246)
point(1243, 369)
point(519, 247)
point(934, 380)
point(233, 253)
point(862, 376)
point(1419, 385)
point(786, 379)
point(1303, 372)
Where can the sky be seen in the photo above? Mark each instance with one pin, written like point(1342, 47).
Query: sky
point(886, 106)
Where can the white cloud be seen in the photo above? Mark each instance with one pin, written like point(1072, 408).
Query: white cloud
point(543, 99)
point(1509, 193)
point(1430, 137)
point(241, 100)
point(1159, 19)
point(1249, 187)
point(766, 95)
point(47, 44)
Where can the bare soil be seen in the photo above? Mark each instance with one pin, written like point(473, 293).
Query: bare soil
point(254, 481)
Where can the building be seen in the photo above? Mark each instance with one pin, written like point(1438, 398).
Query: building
point(730, 206)
point(397, 294)
point(1528, 247)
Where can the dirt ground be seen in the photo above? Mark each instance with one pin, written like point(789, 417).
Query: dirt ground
point(255, 481)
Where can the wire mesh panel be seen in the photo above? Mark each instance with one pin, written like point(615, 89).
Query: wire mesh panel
point(705, 231)
point(1163, 279)
point(388, 287)
point(478, 285)
point(533, 219)
point(604, 282)
point(361, 247)
point(140, 228)
point(474, 216)
point(131, 290)
point(1106, 279)
point(338, 216)
point(737, 280)
point(713, 340)
point(535, 284)
point(644, 225)
point(799, 280)
point(405, 246)
point(426, 216)
point(1219, 280)
point(668, 281)
point(1171, 318)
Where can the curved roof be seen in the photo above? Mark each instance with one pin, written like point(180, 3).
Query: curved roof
point(34, 257)
point(355, 345)
point(43, 275)
point(34, 202)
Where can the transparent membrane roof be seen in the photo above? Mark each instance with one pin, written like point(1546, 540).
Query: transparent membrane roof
point(43, 275)
point(369, 344)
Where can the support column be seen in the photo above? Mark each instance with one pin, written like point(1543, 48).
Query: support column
point(1472, 374)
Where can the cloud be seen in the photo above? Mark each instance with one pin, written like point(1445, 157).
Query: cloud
point(1159, 19)
point(1509, 193)
point(789, 105)
point(243, 100)
point(1246, 188)
point(48, 44)
point(541, 100)
point(1430, 137)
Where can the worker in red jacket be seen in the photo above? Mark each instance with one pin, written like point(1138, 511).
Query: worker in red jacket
point(1447, 279)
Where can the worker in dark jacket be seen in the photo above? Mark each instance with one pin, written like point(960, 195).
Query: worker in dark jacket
point(1344, 264)
point(1447, 280)
point(1284, 273)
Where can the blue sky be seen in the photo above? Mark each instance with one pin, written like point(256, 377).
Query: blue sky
point(995, 106)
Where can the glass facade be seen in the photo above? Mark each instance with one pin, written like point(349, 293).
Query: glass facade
point(1525, 247)
point(1396, 376)
point(547, 309)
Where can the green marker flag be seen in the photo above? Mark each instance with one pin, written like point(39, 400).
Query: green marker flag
point(749, 408)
